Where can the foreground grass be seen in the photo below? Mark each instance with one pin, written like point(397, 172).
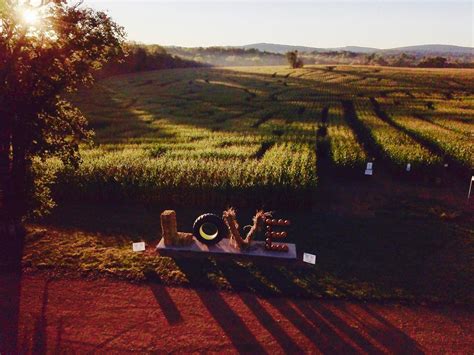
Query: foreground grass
point(369, 246)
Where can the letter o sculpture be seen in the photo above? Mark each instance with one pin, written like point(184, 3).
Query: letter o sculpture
point(209, 229)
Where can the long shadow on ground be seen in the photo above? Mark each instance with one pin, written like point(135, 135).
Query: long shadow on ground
point(10, 289)
point(327, 331)
point(239, 334)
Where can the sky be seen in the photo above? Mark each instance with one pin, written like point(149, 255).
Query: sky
point(315, 23)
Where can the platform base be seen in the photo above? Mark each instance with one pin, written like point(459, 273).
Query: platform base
point(223, 247)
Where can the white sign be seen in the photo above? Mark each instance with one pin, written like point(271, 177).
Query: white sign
point(446, 165)
point(370, 166)
point(408, 167)
point(309, 258)
point(138, 246)
point(369, 172)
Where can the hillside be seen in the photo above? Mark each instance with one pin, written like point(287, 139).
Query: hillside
point(279, 48)
point(425, 49)
point(433, 49)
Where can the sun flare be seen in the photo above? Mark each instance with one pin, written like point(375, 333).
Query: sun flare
point(30, 17)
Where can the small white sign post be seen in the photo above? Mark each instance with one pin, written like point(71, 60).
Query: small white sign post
point(309, 258)
point(369, 170)
point(408, 167)
point(470, 188)
point(137, 247)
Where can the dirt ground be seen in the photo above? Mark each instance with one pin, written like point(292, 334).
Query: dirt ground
point(43, 315)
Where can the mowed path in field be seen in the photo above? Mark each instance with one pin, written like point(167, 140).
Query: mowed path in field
point(39, 315)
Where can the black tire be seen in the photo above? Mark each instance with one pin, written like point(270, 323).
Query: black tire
point(217, 229)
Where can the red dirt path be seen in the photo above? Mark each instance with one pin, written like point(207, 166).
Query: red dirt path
point(40, 315)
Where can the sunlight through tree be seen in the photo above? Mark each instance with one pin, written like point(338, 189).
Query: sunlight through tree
point(47, 49)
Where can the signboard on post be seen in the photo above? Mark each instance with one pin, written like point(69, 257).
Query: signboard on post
point(309, 258)
point(470, 188)
point(138, 246)
point(369, 170)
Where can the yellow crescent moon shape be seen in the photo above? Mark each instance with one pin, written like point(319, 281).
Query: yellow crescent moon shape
point(207, 236)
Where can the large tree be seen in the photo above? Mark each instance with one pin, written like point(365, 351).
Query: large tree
point(48, 48)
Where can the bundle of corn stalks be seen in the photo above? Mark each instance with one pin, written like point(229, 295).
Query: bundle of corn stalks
point(230, 219)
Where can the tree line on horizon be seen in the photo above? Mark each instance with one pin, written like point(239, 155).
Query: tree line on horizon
point(223, 56)
point(140, 57)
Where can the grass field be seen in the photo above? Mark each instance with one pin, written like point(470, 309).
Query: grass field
point(261, 133)
point(292, 140)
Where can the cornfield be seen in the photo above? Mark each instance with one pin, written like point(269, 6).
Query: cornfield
point(199, 135)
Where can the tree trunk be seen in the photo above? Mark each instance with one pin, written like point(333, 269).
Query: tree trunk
point(5, 178)
point(10, 225)
point(19, 174)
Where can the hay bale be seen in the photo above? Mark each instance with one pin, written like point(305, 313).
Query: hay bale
point(169, 227)
point(184, 239)
point(169, 230)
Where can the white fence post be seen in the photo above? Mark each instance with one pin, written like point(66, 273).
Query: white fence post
point(470, 188)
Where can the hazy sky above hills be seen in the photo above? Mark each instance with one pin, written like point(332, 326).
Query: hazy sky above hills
point(381, 24)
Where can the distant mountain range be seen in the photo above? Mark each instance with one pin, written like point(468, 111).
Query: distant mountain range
point(421, 49)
